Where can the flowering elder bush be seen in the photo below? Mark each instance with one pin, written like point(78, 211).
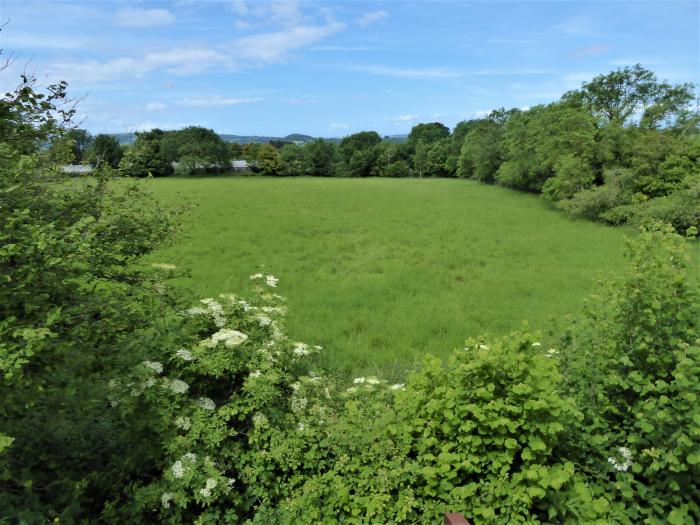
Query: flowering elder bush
point(633, 365)
point(237, 376)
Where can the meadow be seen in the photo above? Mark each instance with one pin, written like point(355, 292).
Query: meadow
point(381, 271)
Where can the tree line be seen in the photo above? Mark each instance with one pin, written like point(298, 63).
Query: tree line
point(623, 148)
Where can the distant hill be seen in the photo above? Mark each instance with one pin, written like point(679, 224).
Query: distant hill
point(298, 138)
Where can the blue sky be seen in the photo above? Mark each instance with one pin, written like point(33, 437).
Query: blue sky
point(333, 68)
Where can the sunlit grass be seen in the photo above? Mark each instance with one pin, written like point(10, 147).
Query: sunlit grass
point(381, 271)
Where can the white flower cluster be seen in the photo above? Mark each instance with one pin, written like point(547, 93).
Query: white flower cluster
point(256, 374)
point(165, 499)
point(260, 420)
point(270, 280)
point(206, 403)
point(369, 380)
point(230, 338)
point(626, 464)
point(536, 344)
point(154, 365)
point(184, 354)
point(300, 349)
point(209, 485)
point(183, 423)
point(176, 385)
point(398, 386)
point(298, 404)
point(264, 320)
point(216, 311)
point(551, 352)
point(178, 469)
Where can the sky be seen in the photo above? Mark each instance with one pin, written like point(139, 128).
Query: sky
point(333, 68)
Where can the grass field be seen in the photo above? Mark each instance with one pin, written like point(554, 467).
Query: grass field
point(381, 271)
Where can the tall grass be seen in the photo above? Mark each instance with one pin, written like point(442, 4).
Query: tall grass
point(381, 271)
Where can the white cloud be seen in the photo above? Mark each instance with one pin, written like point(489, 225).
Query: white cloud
point(34, 41)
point(136, 17)
point(371, 18)
point(268, 48)
point(338, 125)
point(177, 62)
point(213, 102)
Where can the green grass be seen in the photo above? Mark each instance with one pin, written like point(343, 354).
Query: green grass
point(381, 271)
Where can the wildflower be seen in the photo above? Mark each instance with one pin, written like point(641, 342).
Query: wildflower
point(184, 354)
point(183, 422)
point(398, 386)
point(177, 385)
point(206, 403)
point(148, 383)
point(551, 352)
point(373, 381)
point(536, 344)
point(195, 311)
point(301, 349)
point(163, 266)
point(154, 365)
point(271, 281)
point(351, 390)
point(483, 347)
point(358, 380)
point(260, 420)
point(113, 383)
point(206, 300)
point(625, 465)
point(256, 276)
point(230, 338)
point(190, 456)
point(256, 374)
point(209, 485)
point(298, 404)
point(178, 469)
point(230, 482)
point(296, 385)
point(317, 347)
point(264, 320)
point(301, 427)
point(165, 499)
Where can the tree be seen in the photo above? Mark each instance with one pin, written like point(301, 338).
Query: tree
point(292, 158)
point(105, 148)
point(195, 149)
point(145, 158)
point(320, 158)
point(428, 133)
point(81, 141)
point(269, 161)
point(632, 93)
point(420, 159)
point(358, 153)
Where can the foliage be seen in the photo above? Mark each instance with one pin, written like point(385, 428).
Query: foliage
point(195, 149)
point(72, 307)
point(145, 157)
point(269, 161)
point(105, 149)
point(632, 364)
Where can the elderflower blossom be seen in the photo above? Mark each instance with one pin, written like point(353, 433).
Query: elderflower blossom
point(177, 385)
point(298, 404)
point(190, 456)
point(551, 352)
point(483, 347)
point(184, 354)
point(358, 380)
point(398, 386)
point(271, 281)
point(373, 381)
point(536, 344)
point(148, 383)
point(206, 403)
point(154, 365)
point(256, 276)
point(230, 338)
point(195, 310)
point(183, 422)
point(264, 320)
point(165, 499)
point(260, 420)
point(178, 469)
point(351, 390)
point(625, 465)
point(300, 349)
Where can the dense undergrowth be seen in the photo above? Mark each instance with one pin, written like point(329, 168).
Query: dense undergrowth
point(121, 404)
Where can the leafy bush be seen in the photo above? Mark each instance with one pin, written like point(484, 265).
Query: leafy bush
point(632, 365)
